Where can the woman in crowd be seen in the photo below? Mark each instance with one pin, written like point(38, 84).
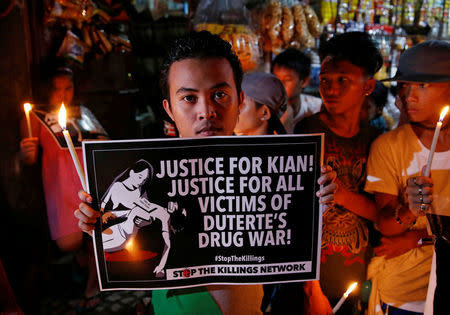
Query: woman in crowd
point(264, 103)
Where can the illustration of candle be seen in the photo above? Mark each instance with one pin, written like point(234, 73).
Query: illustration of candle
point(435, 139)
point(62, 117)
point(344, 297)
point(27, 108)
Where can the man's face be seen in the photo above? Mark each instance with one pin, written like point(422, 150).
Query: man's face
point(62, 91)
point(343, 86)
point(424, 101)
point(291, 81)
point(203, 97)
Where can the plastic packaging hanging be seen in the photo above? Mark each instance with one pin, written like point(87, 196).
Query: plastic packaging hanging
point(229, 20)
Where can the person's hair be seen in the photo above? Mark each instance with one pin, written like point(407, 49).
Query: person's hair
point(355, 47)
point(199, 45)
point(138, 167)
point(294, 59)
point(177, 220)
point(380, 95)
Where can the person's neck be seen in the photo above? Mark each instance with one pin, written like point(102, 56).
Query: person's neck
point(259, 131)
point(345, 125)
point(127, 184)
point(425, 133)
point(294, 102)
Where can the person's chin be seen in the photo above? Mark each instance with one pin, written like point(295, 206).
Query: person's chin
point(210, 132)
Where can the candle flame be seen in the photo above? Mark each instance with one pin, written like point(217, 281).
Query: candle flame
point(444, 112)
point(27, 107)
point(62, 117)
point(350, 289)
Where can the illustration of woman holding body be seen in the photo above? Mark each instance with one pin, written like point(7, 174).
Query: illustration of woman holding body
point(129, 196)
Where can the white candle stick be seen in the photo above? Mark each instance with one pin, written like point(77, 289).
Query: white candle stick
point(344, 297)
point(27, 108)
point(73, 153)
point(435, 139)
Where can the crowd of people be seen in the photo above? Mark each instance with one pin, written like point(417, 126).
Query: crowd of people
point(374, 191)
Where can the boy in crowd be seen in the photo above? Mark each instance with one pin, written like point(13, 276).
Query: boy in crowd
point(349, 62)
point(201, 80)
point(401, 269)
point(293, 68)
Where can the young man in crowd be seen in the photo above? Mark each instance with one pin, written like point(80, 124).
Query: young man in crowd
point(403, 195)
point(293, 68)
point(349, 62)
point(264, 103)
point(201, 81)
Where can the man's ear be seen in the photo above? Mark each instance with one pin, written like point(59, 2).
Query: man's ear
point(369, 86)
point(168, 109)
point(305, 82)
point(241, 99)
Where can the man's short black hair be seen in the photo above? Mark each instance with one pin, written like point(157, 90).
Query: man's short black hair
point(201, 45)
point(355, 47)
point(294, 59)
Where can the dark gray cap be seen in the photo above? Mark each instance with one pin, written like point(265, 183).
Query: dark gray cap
point(267, 89)
point(427, 62)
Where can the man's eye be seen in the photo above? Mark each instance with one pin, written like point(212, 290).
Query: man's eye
point(423, 85)
point(190, 98)
point(219, 95)
point(342, 79)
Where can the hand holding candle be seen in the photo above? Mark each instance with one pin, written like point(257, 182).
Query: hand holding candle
point(435, 139)
point(344, 297)
point(27, 108)
point(73, 153)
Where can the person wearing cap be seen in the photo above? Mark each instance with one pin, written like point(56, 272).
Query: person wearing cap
point(293, 68)
point(401, 268)
point(349, 62)
point(264, 104)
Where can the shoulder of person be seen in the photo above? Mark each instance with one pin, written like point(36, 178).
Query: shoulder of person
point(306, 125)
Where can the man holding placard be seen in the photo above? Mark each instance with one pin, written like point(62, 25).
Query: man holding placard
point(404, 193)
point(201, 81)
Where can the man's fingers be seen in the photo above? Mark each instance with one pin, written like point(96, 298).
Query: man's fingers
point(80, 215)
point(326, 190)
point(88, 211)
point(84, 196)
point(328, 175)
point(419, 181)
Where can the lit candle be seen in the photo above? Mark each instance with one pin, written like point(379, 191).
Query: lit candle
point(435, 139)
point(73, 153)
point(344, 297)
point(27, 108)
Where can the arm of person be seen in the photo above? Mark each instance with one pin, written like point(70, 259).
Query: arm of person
point(316, 303)
point(357, 203)
point(393, 246)
point(159, 270)
point(393, 218)
point(29, 147)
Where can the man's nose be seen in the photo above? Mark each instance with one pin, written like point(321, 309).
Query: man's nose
point(331, 88)
point(410, 93)
point(207, 110)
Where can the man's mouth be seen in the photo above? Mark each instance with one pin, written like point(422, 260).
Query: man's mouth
point(208, 131)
